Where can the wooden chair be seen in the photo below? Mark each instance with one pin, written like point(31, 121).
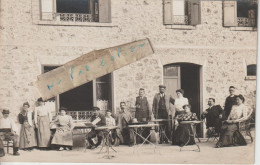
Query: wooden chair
point(245, 125)
point(8, 143)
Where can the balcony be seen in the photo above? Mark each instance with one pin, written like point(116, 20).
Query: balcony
point(246, 22)
point(74, 17)
point(180, 20)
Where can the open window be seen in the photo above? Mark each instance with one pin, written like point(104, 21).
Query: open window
point(242, 13)
point(76, 10)
point(182, 12)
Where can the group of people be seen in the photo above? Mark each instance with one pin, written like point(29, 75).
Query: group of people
point(36, 125)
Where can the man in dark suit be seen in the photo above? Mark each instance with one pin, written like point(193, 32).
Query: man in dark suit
point(161, 109)
point(142, 112)
point(213, 115)
point(230, 101)
point(94, 133)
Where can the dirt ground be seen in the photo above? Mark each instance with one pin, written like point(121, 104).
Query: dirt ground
point(163, 154)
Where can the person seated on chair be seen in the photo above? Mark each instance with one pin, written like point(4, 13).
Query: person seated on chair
point(97, 119)
point(8, 130)
point(183, 134)
point(124, 118)
point(213, 116)
point(110, 122)
point(229, 133)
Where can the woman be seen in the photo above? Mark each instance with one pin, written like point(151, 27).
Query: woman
point(182, 134)
point(27, 134)
point(229, 134)
point(43, 117)
point(180, 101)
point(63, 134)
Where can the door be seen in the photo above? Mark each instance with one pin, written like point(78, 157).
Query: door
point(172, 79)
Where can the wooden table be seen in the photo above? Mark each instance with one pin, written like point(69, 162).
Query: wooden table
point(136, 133)
point(106, 132)
point(192, 133)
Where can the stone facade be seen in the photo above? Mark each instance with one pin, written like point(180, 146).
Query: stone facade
point(222, 52)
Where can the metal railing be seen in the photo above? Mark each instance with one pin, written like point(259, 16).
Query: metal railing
point(180, 20)
point(74, 17)
point(246, 22)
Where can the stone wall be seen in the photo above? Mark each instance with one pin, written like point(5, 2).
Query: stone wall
point(222, 52)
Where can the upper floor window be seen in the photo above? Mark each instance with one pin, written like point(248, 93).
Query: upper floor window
point(182, 12)
point(76, 10)
point(241, 13)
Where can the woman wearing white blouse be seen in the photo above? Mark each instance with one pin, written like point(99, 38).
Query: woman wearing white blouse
point(180, 101)
point(230, 134)
point(43, 117)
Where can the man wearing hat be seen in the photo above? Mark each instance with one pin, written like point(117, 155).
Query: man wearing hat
point(8, 130)
point(161, 109)
point(97, 119)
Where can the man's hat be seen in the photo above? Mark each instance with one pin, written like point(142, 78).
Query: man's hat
point(162, 86)
point(5, 111)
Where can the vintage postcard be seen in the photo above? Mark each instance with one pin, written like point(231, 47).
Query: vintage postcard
point(128, 81)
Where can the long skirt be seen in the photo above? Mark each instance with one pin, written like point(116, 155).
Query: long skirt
point(44, 132)
point(27, 136)
point(183, 135)
point(63, 136)
point(230, 136)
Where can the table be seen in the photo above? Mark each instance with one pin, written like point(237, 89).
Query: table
point(193, 133)
point(162, 127)
point(106, 139)
point(136, 133)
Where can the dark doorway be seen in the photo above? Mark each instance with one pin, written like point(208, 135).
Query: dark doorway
point(187, 77)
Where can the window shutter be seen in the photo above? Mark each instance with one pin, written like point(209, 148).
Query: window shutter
point(104, 11)
point(195, 12)
point(230, 13)
point(47, 9)
point(167, 12)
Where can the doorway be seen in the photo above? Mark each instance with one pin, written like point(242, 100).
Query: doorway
point(185, 76)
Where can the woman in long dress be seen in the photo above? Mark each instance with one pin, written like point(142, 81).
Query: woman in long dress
point(183, 133)
point(43, 117)
point(63, 134)
point(229, 134)
point(27, 134)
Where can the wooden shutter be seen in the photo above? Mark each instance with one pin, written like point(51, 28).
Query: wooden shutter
point(195, 12)
point(104, 11)
point(167, 12)
point(230, 13)
point(47, 9)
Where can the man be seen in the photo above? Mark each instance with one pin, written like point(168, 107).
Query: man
point(161, 110)
point(123, 119)
point(142, 112)
point(97, 119)
point(213, 115)
point(8, 130)
point(230, 101)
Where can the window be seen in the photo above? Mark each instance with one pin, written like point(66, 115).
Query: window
point(242, 13)
point(182, 12)
point(251, 70)
point(76, 10)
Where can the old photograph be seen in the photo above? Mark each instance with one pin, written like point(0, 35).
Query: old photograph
point(128, 81)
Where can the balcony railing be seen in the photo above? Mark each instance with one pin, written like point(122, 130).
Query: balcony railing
point(80, 115)
point(246, 22)
point(180, 20)
point(74, 17)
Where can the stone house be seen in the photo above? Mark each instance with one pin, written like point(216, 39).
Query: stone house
point(202, 47)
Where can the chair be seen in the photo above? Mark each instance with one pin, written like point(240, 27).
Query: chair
point(212, 134)
point(8, 143)
point(245, 125)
